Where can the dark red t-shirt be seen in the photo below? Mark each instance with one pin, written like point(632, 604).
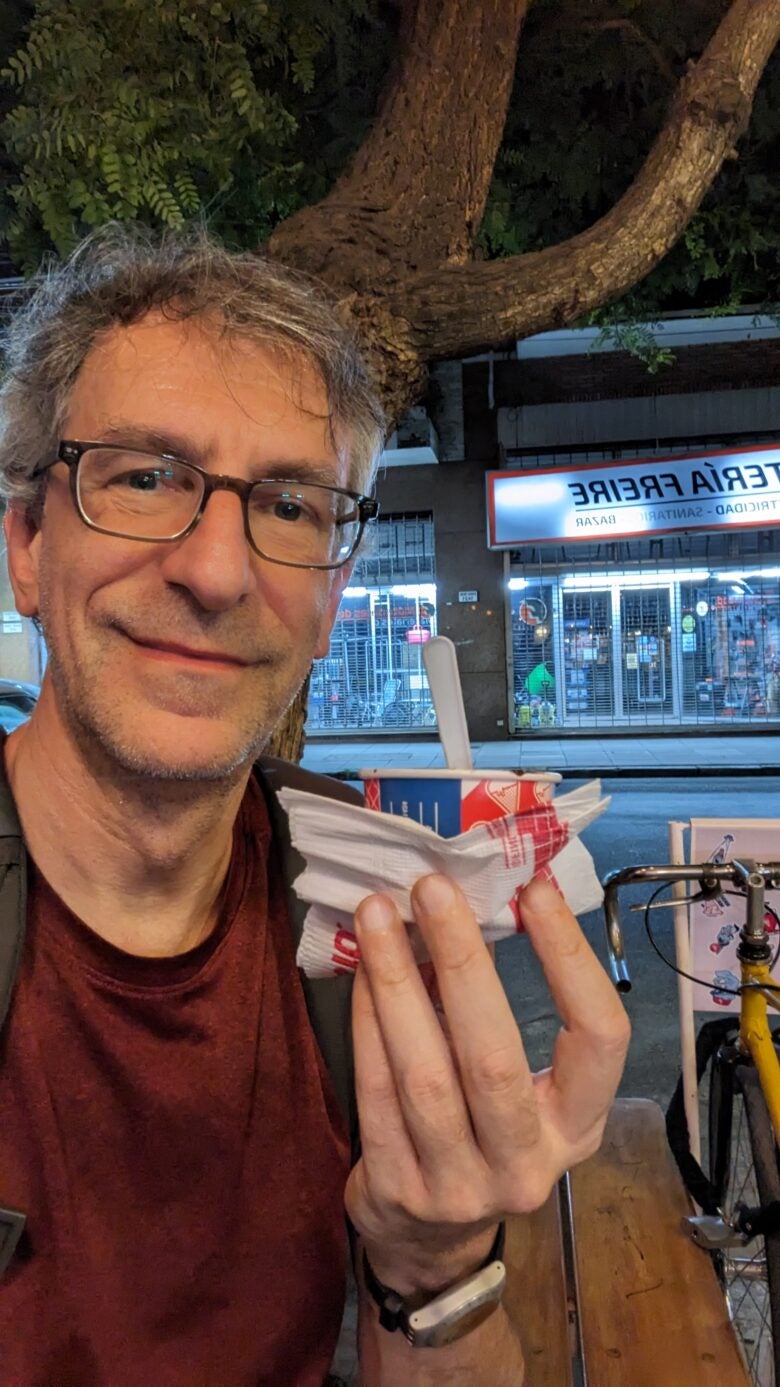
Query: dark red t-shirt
point(168, 1127)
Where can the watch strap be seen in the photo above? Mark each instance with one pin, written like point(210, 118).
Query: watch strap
point(394, 1311)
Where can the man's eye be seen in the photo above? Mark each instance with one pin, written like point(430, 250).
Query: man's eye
point(288, 510)
point(141, 481)
point(154, 479)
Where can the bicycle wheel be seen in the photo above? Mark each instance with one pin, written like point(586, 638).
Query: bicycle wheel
point(744, 1170)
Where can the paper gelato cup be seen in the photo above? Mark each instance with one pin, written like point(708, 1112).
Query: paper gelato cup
point(452, 801)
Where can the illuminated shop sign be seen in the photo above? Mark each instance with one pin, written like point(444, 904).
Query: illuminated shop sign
point(649, 496)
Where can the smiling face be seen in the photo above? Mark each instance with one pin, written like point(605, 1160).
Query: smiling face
point(178, 660)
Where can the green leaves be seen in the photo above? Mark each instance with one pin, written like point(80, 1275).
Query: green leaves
point(160, 110)
point(241, 111)
point(635, 338)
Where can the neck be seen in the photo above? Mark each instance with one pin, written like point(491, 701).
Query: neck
point(140, 861)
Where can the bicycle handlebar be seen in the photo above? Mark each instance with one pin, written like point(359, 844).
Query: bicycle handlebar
point(752, 878)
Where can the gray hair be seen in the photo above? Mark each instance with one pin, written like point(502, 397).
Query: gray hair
point(116, 276)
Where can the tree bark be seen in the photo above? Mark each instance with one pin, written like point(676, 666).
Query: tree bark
point(289, 736)
point(457, 311)
point(395, 238)
point(414, 196)
point(415, 193)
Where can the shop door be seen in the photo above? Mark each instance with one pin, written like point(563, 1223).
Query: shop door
point(402, 621)
point(586, 629)
point(648, 676)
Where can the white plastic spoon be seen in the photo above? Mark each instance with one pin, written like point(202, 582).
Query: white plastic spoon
point(441, 666)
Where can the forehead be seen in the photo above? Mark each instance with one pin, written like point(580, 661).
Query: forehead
point(187, 375)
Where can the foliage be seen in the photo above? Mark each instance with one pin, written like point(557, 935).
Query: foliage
point(239, 111)
point(160, 109)
point(627, 335)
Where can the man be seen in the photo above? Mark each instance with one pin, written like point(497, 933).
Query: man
point(187, 439)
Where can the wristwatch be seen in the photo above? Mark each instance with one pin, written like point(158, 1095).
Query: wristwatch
point(452, 1313)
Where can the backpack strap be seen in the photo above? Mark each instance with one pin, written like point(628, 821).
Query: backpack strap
point(13, 891)
point(328, 1000)
point(13, 922)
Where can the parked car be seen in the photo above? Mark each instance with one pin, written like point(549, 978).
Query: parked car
point(16, 702)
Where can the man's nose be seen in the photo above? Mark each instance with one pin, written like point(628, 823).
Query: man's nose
point(215, 561)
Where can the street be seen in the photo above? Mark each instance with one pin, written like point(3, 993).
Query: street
point(634, 830)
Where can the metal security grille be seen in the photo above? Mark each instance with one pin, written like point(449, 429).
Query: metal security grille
point(373, 675)
point(397, 549)
point(679, 630)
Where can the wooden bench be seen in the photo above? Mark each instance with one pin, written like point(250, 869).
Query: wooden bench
point(627, 1292)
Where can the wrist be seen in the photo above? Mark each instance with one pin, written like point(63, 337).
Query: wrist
point(440, 1313)
point(421, 1272)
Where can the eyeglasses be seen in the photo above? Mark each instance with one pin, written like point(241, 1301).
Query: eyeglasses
point(136, 495)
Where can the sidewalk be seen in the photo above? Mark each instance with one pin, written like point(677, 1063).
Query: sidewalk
point(612, 756)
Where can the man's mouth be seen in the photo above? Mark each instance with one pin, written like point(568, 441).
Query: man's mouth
point(173, 651)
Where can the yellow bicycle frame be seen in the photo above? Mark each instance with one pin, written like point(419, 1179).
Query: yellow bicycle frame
point(755, 1036)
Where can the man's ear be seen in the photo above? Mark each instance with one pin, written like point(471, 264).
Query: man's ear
point(23, 542)
point(341, 577)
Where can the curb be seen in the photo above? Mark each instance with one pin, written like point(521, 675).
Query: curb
point(614, 772)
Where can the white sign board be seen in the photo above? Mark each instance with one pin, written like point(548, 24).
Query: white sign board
point(715, 925)
point(611, 500)
point(468, 595)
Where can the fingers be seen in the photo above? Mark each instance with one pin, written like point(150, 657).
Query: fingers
point(493, 1067)
point(417, 1056)
point(462, 1112)
point(590, 1051)
point(383, 1131)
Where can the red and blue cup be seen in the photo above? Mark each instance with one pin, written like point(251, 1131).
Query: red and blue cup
point(452, 801)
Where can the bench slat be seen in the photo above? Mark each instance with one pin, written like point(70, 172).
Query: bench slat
point(536, 1295)
point(652, 1312)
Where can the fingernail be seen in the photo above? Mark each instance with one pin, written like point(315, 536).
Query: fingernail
point(539, 892)
point(435, 894)
point(375, 913)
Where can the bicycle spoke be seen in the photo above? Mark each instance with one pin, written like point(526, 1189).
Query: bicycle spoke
point(744, 1270)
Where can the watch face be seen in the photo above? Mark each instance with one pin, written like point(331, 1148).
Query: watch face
point(449, 1333)
point(459, 1310)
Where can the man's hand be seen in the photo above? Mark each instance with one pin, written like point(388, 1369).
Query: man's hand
point(456, 1130)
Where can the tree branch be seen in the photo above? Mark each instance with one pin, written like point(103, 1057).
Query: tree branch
point(415, 192)
point(458, 310)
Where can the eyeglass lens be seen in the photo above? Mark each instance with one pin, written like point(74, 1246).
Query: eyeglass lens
point(147, 497)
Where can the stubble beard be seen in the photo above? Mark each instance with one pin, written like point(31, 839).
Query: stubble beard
point(108, 729)
point(98, 723)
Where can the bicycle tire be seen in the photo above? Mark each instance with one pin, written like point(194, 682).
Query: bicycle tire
point(744, 1169)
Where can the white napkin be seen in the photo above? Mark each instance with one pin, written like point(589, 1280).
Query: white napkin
point(351, 852)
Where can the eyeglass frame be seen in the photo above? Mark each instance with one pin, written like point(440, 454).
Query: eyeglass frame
point(70, 451)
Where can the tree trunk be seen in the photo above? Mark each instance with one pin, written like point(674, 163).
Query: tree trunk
point(462, 310)
point(395, 237)
point(288, 738)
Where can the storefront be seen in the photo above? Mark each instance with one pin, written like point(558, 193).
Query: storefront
point(673, 619)
point(373, 676)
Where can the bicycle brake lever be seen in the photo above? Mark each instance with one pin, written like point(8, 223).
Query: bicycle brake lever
point(705, 893)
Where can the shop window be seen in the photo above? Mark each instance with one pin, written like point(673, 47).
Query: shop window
point(645, 647)
point(373, 676)
point(660, 630)
point(730, 646)
point(532, 654)
point(588, 693)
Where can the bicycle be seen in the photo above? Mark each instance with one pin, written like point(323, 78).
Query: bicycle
point(739, 1196)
